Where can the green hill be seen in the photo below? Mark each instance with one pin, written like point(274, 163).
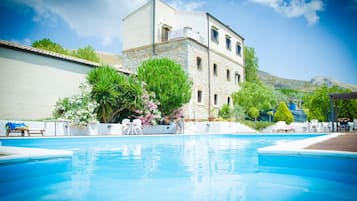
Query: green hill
point(300, 85)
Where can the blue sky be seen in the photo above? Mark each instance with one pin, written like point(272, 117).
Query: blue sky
point(296, 39)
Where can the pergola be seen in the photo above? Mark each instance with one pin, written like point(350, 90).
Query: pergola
point(342, 96)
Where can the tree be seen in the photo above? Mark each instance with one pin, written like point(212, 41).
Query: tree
point(225, 112)
point(87, 53)
point(283, 113)
point(254, 113)
point(254, 95)
point(250, 65)
point(113, 92)
point(168, 81)
point(270, 113)
point(47, 44)
point(318, 103)
point(238, 112)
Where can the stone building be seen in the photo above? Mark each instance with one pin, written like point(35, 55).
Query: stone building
point(209, 51)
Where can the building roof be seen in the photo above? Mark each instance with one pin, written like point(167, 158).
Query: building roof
point(55, 55)
point(344, 96)
point(229, 28)
point(46, 53)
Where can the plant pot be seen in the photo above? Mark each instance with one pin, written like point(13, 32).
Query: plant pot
point(211, 118)
point(93, 128)
point(110, 129)
point(78, 131)
point(160, 129)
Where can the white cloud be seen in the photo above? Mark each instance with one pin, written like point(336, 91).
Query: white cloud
point(296, 8)
point(182, 5)
point(100, 19)
point(89, 18)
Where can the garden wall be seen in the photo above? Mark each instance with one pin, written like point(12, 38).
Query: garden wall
point(32, 80)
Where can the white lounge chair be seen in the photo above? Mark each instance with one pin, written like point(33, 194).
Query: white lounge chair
point(314, 125)
point(126, 125)
point(281, 126)
point(137, 127)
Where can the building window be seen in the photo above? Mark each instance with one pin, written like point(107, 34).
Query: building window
point(215, 99)
point(228, 43)
point(215, 73)
point(165, 33)
point(199, 96)
point(199, 64)
point(214, 35)
point(239, 49)
point(228, 75)
point(229, 100)
point(237, 78)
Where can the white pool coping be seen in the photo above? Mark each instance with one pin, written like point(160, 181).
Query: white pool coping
point(10, 154)
point(298, 148)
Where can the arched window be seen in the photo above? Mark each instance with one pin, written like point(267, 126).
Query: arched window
point(165, 29)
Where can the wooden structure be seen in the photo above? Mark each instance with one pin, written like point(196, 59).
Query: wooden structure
point(341, 96)
point(25, 130)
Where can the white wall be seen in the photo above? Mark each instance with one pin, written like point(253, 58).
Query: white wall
point(30, 84)
point(165, 15)
point(195, 20)
point(137, 28)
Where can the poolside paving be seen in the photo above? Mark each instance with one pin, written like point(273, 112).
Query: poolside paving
point(345, 142)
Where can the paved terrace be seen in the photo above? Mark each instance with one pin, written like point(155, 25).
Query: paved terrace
point(346, 142)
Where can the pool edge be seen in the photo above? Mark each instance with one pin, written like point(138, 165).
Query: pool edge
point(22, 154)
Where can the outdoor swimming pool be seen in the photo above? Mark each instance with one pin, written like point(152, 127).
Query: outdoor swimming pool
point(176, 167)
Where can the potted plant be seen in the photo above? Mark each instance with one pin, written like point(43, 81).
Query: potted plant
point(78, 110)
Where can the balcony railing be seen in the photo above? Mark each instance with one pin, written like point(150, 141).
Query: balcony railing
point(185, 32)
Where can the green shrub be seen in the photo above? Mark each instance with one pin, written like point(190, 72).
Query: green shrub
point(317, 104)
point(283, 113)
point(238, 112)
point(47, 44)
point(256, 125)
point(254, 95)
point(87, 53)
point(168, 81)
point(225, 112)
point(253, 112)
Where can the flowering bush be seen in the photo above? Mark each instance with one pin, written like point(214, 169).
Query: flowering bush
point(149, 114)
point(177, 114)
point(78, 109)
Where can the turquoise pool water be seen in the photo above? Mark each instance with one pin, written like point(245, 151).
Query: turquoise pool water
point(179, 167)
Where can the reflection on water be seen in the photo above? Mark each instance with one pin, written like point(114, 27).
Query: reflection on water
point(190, 168)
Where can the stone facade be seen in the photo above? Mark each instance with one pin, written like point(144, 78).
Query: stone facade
point(186, 51)
point(177, 51)
point(209, 51)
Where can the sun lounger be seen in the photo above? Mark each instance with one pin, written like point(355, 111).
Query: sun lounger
point(286, 129)
point(281, 126)
point(22, 128)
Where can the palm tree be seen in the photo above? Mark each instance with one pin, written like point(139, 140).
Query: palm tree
point(113, 92)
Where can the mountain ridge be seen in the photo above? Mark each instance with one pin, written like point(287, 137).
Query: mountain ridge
point(301, 85)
